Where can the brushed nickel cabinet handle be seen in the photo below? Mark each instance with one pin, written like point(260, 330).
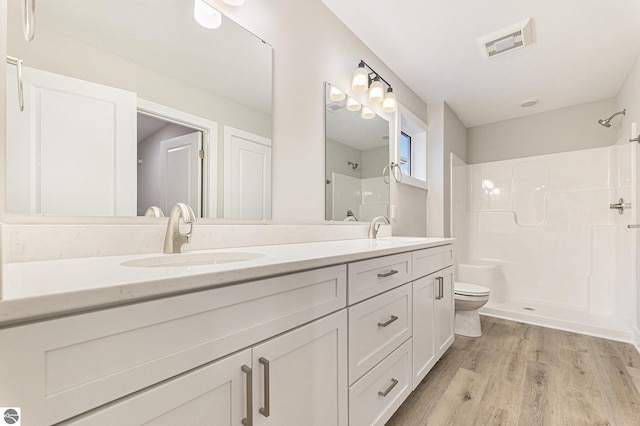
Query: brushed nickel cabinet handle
point(18, 63)
point(384, 324)
point(248, 421)
point(266, 410)
point(387, 274)
point(394, 382)
point(440, 281)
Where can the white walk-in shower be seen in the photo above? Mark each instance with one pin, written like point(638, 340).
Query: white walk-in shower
point(541, 234)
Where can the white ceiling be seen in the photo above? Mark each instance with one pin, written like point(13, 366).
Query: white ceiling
point(582, 51)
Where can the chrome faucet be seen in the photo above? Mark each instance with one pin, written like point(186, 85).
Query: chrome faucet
point(375, 225)
point(173, 239)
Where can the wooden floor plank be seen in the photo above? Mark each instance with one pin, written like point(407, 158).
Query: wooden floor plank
point(500, 404)
point(615, 382)
point(460, 401)
point(426, 396)
point(520, 374)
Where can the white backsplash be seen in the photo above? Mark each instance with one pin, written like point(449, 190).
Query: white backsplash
point(33, 242)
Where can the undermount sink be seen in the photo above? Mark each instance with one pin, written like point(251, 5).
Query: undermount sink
point(192, 259)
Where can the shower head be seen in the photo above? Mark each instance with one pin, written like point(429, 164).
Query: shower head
point(607, 121)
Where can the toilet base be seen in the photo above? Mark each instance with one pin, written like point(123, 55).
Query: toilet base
point(467, 323)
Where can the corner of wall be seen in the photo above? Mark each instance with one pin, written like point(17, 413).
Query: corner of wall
point(3, 103)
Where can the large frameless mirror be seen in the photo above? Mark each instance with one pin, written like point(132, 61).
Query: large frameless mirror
point(356, 154)
point(130, 104)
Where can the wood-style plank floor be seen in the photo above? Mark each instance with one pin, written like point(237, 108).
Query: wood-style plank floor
point(521, 374)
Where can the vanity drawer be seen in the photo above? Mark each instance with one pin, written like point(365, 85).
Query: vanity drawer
point(377, 327)
point(430, 260)
point(374, 398)
point(64, 367)
point(374, 276)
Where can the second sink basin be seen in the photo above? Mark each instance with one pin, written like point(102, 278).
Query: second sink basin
point(192, 259)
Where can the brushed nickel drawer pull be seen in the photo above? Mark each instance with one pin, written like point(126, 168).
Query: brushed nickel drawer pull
point(440, 281)
point(266, 410)
point(394, 382)
point(388, 274)
point(18, 63)
point(384, 324)
point(248, 421)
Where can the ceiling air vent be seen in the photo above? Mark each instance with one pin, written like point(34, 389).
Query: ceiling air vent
point(336, 106)
point(507, 39)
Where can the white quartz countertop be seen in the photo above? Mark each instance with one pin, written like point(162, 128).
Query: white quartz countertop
point(34, 290)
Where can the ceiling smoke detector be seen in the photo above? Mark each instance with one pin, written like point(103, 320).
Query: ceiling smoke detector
point(507, 39)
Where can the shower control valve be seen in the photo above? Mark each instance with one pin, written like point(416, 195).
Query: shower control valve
point(620, 206)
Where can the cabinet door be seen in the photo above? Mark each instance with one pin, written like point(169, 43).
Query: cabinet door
point(301, 377)
point(424, 332)
point(444, 311)
point(211, 395)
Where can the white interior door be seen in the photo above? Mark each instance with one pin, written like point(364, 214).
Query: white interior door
point(72, 150)
point(181, 171)
point(247, 172)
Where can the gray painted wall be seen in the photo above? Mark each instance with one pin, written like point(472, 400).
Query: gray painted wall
point(566, 129)
point(455, 141)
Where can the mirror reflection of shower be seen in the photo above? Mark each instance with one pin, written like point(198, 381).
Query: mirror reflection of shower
point(607, 121)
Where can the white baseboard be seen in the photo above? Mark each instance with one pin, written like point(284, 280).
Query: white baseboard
point(636, 339)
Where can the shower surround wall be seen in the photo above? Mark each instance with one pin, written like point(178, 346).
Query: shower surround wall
point(563, 258)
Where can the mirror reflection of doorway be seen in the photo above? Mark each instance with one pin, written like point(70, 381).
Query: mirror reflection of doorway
point(170, 165)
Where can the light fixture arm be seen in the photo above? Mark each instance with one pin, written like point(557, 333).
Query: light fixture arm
point(364, 64)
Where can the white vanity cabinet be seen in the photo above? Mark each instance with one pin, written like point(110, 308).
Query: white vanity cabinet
point(433, 308)
point(331, 346)
point(60, 368)
point(400, 324)
point(293, 379)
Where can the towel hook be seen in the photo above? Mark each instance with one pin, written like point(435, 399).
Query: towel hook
point(29, 19)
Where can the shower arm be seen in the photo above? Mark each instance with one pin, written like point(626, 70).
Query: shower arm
point(623, 112)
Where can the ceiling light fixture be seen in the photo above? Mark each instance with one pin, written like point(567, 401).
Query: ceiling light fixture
point(363, 80)
point(529, 103)
point(206, 15)
point(234, 2)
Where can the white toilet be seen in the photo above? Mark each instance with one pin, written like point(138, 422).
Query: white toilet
point(469, 298)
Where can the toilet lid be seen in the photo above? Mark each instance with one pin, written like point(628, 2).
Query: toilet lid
point(467, 289)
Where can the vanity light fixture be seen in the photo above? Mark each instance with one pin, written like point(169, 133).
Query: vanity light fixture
point(367, 113)
point(206, 15)
point(376, 91)
point(389, 104)
point(360, 80)
point(353, 105)
point(371, 80)
point(336, 94)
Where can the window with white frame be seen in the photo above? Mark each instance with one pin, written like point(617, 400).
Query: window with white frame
point(412, 148)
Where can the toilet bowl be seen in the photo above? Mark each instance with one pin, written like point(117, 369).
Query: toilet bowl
point(469, 298)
